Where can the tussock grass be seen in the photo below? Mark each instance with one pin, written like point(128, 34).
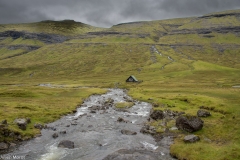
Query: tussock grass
point(41, 104)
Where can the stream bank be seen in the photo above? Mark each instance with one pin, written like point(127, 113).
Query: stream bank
point(99, 131)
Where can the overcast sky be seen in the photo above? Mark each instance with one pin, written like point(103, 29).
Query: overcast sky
point(105, 13)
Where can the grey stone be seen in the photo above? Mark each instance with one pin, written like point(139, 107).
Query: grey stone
point(157, 114)
point(63, 132)
point(44, 37)
point(189, 123)
point(124, 154)
point(22, 123)
point(148, 130)
point(120, 119)
point(128, 132)
point(55, 135)
point(38, 126)
point(3, 146)
point(191, 138)
point(203, 113)
point(66, 144)
point(12, 145)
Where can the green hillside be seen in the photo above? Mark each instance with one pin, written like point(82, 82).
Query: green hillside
point(65, 27)
point(183, 64)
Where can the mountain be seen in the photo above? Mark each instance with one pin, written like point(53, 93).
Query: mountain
point(184, 63)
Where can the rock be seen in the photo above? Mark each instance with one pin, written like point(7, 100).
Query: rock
point(66, 144)
point(74, 123)
point(22, 123)
point(109, 102)
point(148, 130)
point(92, 111)
point(124, 154)
point(38, 135)
point(55, 135)
point(155, 105)
point(203, 113)
point(4, 122)
point(12, 134)
point(3, 146)
point(12, 145)
point(171, 114)
point(44, 37)
point(157, 114)
point(63, 132)
point(28, 120)
point(94, 108)
point(207, 140)
point(120, 119)
point(90, 126)
point(2, 126)
point(38, 126)
point(189, 124)
point(191, 138)
point(85, 114)
point(128, 132)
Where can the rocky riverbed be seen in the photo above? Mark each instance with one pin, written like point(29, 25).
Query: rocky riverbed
point(98, 131)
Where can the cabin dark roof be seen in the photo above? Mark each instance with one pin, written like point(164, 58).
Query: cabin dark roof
point(133, 77)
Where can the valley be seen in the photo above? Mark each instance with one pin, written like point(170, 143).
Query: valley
point(184, 65)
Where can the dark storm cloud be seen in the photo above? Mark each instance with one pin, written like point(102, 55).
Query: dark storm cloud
point(107, 12)
point(197, 7)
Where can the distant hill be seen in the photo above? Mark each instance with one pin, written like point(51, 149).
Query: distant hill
point(66, 47)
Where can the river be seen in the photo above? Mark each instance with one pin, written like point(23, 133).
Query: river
point(97, 134)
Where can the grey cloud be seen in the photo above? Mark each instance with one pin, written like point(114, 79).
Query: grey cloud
point(18, 13)
point(107, 12)
point(197, 7)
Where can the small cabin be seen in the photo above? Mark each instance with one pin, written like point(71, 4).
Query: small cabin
point(132, 79)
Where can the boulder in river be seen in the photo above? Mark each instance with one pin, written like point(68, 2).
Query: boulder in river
point(148, 130)
point(3, 146)
point(124, 154)
point(22, 123)
point(66, 144)
point(63, 132)
point(128, 132)
point(203, 113)
point(55, 135)
point(191, 138)
point(94, 107)
point(120, 119)
point(189, 123)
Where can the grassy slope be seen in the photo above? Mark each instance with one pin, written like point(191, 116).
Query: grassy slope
point(66, 27)
point(202, 73)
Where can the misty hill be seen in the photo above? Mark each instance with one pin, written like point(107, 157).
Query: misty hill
point(80, 48)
